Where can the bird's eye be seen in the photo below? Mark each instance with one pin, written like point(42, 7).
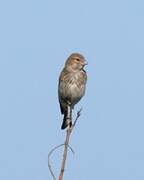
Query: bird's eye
point(77, 59)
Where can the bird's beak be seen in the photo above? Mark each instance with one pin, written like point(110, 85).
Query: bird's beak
point(86, 63)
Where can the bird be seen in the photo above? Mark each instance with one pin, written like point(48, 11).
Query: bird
point(71, 86)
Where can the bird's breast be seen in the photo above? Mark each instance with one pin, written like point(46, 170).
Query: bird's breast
point(74, 89)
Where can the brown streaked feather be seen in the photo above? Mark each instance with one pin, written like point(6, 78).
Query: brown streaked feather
point(72, 83)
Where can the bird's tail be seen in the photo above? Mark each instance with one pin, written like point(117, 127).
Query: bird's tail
point(66, 121)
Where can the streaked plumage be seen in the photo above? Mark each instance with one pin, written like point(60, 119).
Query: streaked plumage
point(72, 83)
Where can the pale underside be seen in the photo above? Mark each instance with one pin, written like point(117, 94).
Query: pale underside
point(71, 89)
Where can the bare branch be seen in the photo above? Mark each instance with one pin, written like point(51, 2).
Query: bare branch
point(78, 115)
point(49, 155)
point(66, 144)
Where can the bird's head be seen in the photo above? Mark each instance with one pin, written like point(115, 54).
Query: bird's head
point(75, 62)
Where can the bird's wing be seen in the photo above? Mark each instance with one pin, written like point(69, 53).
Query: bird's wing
point(59, 95)
point(61, 108)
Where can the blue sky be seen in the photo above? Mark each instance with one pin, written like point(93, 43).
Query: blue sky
point(36, 37)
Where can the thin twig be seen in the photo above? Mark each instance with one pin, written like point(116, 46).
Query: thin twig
point(65, 154)
point(49, 155)
point(68, 133)
point(78, 115)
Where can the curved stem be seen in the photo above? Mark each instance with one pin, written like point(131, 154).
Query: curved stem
point(66, 144)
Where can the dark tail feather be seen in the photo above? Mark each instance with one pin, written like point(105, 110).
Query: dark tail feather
point(66, 122)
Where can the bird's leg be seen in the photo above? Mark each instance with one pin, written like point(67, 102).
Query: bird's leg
point(69, 114)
